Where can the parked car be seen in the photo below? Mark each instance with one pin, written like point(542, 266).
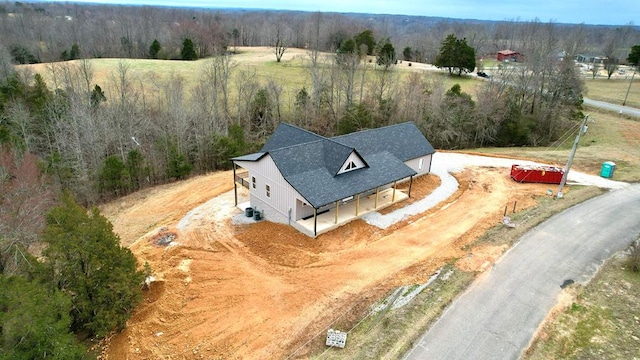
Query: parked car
point(482, 74)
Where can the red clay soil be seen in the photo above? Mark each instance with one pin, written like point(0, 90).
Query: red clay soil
point(260, 291)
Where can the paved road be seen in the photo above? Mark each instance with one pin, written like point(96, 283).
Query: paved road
point(498, 315)
point(613, 107)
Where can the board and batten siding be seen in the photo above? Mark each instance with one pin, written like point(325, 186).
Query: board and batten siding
point(421, 165)
point(282, 195)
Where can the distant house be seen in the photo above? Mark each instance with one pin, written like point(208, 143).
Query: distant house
point(315, 184)
point(592, 59)
point(508, 55)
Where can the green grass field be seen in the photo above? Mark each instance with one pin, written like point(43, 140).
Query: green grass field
point(291, 74)
point(614, 90)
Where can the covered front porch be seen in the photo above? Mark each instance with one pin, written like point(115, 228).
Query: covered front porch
point(342, 212)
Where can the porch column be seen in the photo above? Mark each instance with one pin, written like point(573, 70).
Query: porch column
point(410, 183)
point(357, 204)
point(315, 221)
point(375, 205)
point(337, 209)
point(393, 194)
point(235, 185)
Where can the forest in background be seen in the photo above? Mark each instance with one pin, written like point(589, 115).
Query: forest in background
point(154, 131)
point(61, 133)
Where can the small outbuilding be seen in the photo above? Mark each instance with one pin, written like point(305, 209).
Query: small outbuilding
point(315, 184)
point(508, 55)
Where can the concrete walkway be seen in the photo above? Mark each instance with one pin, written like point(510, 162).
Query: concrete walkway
point(497, 316)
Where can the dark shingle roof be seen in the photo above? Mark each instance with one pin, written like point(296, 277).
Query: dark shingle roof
point(288, 135)
point(319, 187)
point(310, 162)
point(404, 141)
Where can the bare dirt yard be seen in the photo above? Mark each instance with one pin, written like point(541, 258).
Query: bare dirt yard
point(226, 291)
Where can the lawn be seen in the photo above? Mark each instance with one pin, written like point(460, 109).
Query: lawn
point(292, 73)
point(609, 138)
point(614, 90)
point(602, 322)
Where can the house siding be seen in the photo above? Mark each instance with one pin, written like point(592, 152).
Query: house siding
point(415, 164)
point(282, 195)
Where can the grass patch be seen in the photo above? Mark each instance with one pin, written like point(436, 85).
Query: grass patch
point(609, 138)
point(390, 334)
point(602, 323)
point(614, 90)
point(546, 207)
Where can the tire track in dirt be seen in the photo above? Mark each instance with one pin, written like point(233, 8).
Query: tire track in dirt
point(261, 290)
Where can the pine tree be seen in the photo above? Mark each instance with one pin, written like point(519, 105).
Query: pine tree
point(188, 50)
point(34, 322)
point(154, 49)
point(88, 263)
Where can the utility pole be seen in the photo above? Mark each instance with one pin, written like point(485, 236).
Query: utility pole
point(629, 88)
point(583, 129)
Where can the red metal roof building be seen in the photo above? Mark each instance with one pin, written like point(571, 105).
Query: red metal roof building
point(509, 55)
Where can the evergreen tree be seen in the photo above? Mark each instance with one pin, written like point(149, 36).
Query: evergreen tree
point(634, 57)
point(75, 52)
point(154, 49)
point(188, 50)
point(88, 263)
point(407, 53)
point(112, 176)
point(456, 55)
point(97, 96)
point(366, 38)
point(34, 322)
point(386, 55)
point(178, 166)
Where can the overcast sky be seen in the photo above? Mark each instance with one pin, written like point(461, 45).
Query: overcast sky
point(608, 12)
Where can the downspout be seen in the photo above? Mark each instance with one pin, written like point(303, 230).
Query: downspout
point(357, 204)
point(337, 209)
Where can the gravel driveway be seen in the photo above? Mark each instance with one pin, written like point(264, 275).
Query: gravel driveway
point(446, 163)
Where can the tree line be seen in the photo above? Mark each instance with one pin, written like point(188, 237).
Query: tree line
point(66, 144)
point(45, 32)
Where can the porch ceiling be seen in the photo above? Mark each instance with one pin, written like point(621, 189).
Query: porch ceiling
point(347, 211)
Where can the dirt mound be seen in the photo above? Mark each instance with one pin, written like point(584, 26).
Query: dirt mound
point(261, 290)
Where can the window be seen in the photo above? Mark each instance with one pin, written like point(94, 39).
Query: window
point(420, 163)
point(268, 190)
point(253, 182)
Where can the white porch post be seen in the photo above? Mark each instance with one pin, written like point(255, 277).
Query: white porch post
point(393, 194)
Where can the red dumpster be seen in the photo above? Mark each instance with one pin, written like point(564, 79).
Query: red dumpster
point(537, 174)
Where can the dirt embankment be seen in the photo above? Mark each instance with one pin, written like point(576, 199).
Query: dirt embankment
point(260, 291)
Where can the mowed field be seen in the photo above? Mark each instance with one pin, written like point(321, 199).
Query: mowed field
point(258, 63)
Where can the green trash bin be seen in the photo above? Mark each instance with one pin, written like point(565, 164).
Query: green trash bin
point(608, 168)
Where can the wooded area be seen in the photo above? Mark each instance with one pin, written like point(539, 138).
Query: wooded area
point(152, 131)
point(67, 135)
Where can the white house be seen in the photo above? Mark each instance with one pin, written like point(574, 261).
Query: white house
point(316, 184)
